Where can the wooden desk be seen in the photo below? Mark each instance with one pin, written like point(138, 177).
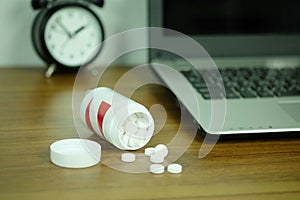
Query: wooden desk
point(36, 111)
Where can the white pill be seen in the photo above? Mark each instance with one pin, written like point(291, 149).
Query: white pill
point(139, 142)
point(157, 158)
point(131, 127)
point(149, 151)
point(128, 157)
point(125, 139)
point(157, 169)
point(174, 168)
point(142, 123)
point(161, 149)
point(131, 142)
point(133, 117)
point(142, 133)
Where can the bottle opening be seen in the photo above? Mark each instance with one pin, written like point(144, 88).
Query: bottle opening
point(136, 130)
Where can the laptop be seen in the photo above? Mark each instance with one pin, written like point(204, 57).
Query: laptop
point(255, 46)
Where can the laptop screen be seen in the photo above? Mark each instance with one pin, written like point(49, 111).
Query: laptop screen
point(233, 17)
point(231, 27)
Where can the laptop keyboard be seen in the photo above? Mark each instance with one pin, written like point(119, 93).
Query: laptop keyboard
point(256, 82)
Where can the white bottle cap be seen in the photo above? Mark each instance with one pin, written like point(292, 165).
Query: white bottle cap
point(157, 169)
point(174, 168)
point(75, 153)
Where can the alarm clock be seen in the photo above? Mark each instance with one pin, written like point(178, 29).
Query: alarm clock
point(67, 34)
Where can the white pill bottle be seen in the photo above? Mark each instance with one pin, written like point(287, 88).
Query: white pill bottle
point(121, 121)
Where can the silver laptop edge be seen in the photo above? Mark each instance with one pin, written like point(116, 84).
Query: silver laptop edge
point(243, 116)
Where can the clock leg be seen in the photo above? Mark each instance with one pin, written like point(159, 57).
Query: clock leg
point(51, 69)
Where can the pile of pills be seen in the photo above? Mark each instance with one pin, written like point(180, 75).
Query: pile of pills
point(136, 130)
point(157, 156)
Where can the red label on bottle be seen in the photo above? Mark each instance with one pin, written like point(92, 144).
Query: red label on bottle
point(101, 113)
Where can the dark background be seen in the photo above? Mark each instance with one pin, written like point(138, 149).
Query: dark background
point(232, 16)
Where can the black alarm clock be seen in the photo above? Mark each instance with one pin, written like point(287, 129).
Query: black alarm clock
point(66, 34)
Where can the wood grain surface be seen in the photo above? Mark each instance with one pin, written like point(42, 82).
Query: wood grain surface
point(36, 111)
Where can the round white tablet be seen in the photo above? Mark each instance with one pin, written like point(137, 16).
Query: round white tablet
point(161, 149)
point(142, 123)
point(133, 117)
point(149, 151)
point(157, 169)
point(174, 168)
point(157, 158)
point(141, 133)
point(75, 153)
point(125, 139)
point(130, 128)
point(128, 157)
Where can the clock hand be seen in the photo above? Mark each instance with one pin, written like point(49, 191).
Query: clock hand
point(64, 28)
point(79, 30)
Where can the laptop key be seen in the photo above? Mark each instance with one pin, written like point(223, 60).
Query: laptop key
point(232, 95)
point(199, 85)
point(206, 96)
point(264, 93)
point(212, 96)
point(247, 93)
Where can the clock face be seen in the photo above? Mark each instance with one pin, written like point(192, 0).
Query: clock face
point(73, 35)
